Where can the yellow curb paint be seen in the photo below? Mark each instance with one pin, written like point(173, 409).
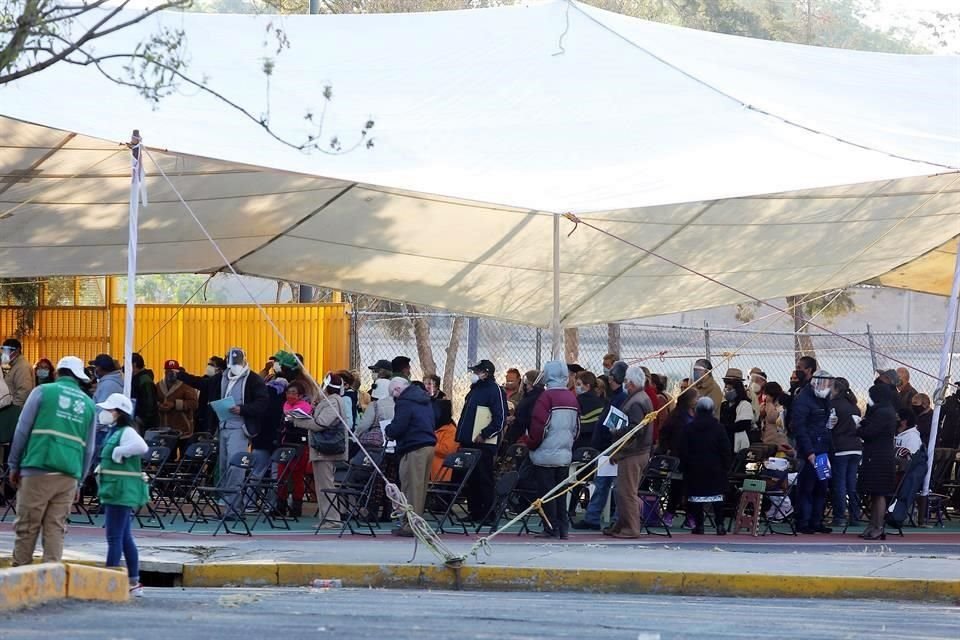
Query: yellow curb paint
point(583, 580)
point(97, 583)
point(31, 585)
point(230, 575)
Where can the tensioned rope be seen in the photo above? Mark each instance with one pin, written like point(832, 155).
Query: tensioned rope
point(420, 528)
point(746, 105)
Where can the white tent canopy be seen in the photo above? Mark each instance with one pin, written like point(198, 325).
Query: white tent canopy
point(842, 169)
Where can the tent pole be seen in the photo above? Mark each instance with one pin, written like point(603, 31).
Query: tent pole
point(136, 175)
point(946, 354)
point(556, 346)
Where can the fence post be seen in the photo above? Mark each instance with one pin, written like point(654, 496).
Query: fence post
point(706, 340)
point(873, 349)
point(539, 347)
point(354, 341)
point(613, 338)
point(473, 336)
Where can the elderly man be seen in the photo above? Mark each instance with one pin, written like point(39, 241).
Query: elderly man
point(705, 384)
point(413, 429)
point(633, 456)
point(905, 391)
point(52, 448)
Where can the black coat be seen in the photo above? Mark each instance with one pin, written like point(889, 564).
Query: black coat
point(256, 401)
point(844, 435)
point(704, 452)
point(878, 429)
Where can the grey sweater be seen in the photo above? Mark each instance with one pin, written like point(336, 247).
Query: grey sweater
point(25, 427)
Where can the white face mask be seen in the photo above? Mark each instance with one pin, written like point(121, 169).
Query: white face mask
point(211, 371)
point(579, 389)
point(237, 369)
point(474, 378)
point(43, 374)
point(755, 387)
point(5, 358)
point(277, 368)
point(106, 417)
point(822, 393)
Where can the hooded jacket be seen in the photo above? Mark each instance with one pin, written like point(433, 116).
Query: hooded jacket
point(555, 421)
point(483, 393)
point(413, 421)
point(107, 385)
point(878, 429)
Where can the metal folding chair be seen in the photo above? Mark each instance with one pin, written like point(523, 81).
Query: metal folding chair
point(446, 496)
point(234, 497)
point(654, 492)
point(178, 487)
point(265, 490)
point(153, 462)
point(351, 496)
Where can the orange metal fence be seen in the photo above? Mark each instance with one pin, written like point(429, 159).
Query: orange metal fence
point(191, 335)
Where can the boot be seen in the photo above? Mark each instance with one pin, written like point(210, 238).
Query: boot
point(718, 519)
point(296, 510)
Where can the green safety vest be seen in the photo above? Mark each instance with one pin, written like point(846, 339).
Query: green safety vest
point(121, 484)
point(58, 441)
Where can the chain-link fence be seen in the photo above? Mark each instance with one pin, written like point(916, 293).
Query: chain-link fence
point(453, 342)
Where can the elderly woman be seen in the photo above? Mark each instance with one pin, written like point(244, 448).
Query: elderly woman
point(878, 468)
point(705, 454)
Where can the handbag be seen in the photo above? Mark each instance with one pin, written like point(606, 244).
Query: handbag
point(330, 442)
point(372, 438)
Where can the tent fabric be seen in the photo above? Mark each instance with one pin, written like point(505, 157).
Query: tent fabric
point(841, 169)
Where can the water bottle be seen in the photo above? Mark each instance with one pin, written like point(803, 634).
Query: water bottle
point(832, 422)
point(320, 583)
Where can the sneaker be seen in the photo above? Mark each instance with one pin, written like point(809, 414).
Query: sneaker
point(583, 525)
point(823, 529)
point(136, 591)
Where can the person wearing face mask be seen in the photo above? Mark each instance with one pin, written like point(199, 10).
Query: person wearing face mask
point(481, 424)
point(177, 403)
point(19, 382)
point(243, 420)
point(878, 468)
point(736, 412)
point(845, 456)
point(413, 429)
point(43, 372)
point(143, 393)
point(810, 417)
point(123, 488)
point(431, 383)
point(705, 385)
point(532, 388)
point(109, 381)
point(52, 449)
point(592, 407)
point(608, 361)
point(205, 418)
point(757, 379)
point(920, 405)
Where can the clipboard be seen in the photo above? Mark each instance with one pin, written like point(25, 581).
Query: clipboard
point(222, 408)
point(481, 422)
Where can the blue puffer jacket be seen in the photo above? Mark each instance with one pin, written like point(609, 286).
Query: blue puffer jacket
point(413, 421)
point(485, 393)
point(808, 422)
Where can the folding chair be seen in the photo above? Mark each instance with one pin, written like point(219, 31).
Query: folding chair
point(351, 496)
point(943, 462)
point(775, 501)
point(179, 486)
point(153, 462)
point(580, 494)
point(209, 497)
point(505, 486)
point(8, 494)
point(446, 496)
point(265, 490)
point(654, 492)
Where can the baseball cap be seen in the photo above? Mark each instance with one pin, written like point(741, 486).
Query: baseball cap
point(619, 371)
point(485, 366)
point(171, 364)
point(286, 359)
point(891, 375)
point(117, 401)
point(400, 363)
point(104, 361)
point(74, 365)
point(381, 364)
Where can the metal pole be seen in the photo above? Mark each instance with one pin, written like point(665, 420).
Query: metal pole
point(539, 348)
point(706, 340)
point(556, 345)
point(873, 349)
point(314, 6)
point(135, 193)
point(949, 335)
point(473, 336)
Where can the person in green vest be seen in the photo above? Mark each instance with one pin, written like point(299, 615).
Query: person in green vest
point(52, 450)
point(123, 487)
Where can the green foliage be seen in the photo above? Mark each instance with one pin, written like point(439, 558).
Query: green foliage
point(171, 289)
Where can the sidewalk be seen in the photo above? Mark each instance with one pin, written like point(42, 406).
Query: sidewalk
point(919, 566)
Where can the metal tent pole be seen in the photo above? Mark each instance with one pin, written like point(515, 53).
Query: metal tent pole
point(556, 345)
point(945, 354)
point(136, 193)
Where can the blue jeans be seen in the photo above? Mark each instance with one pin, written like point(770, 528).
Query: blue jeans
point(844, 479)
point(120, 540)
point(601, 491)
point(811, 498)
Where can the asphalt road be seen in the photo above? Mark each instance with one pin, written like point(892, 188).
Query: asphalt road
point(288, 614)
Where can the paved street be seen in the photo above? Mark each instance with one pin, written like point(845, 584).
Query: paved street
point(369, 613)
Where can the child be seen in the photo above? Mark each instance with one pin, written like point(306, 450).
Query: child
point(123, 488)
point(293, 436)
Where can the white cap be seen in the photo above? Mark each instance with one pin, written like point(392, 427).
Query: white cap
point(117, 401)
point(74, 365)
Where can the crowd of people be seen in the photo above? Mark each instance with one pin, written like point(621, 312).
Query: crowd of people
point(49, 416)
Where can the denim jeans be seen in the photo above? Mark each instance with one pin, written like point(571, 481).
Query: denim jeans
point(120, 540)
point(844, 469)
point(601, 491)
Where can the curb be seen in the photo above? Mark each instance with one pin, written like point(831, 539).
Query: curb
point(35, 584)
point(479, 578)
